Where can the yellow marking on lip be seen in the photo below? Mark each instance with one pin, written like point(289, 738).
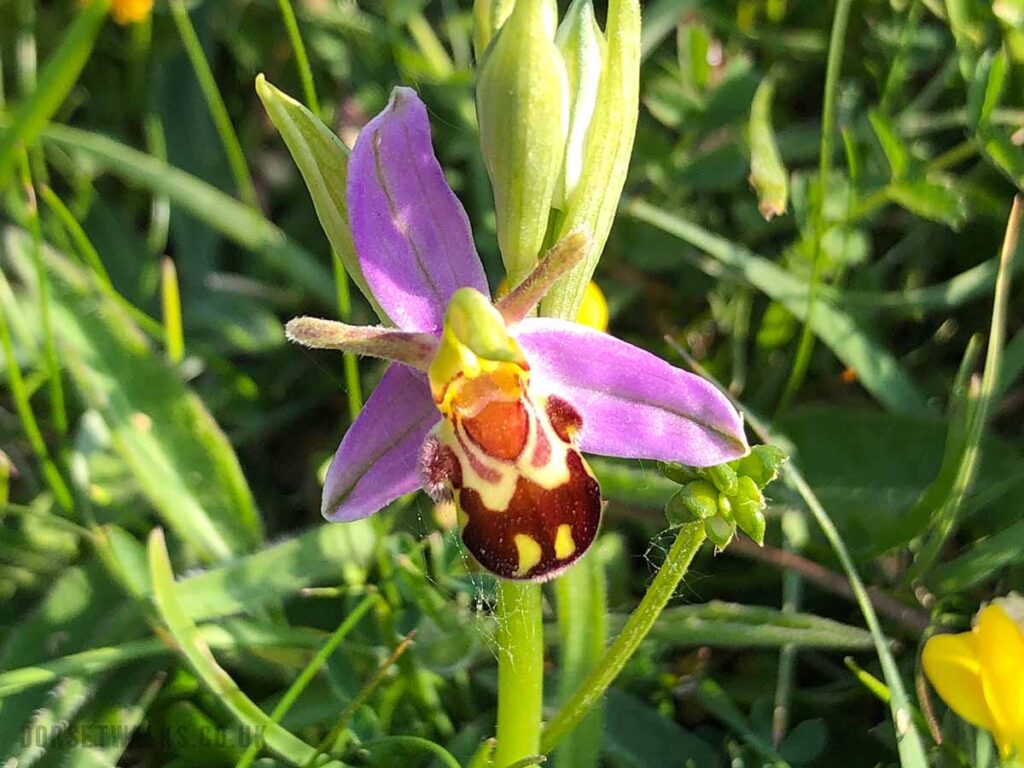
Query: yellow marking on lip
point(529, 553)
point(564, 544)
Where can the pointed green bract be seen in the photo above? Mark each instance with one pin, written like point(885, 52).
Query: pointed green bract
point(323, 162)
point(521, 107)
point(591, 207)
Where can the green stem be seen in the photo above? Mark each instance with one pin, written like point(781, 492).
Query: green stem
point(683, 550)
point(520, 672)
point(215, 103)
point(351, 362)
point(341, 281)
point(944, 520)
point(837, 44)
point(301, 59)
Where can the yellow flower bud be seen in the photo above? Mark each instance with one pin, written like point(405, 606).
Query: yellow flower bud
point(980, 674)
point(594, 308)
point(130, 11)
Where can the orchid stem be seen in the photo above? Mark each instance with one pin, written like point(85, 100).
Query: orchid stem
point(520, 672)
point(590, 691)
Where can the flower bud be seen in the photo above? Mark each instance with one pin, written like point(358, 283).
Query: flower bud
point(490, 15)
point(724, 478)
point(748, 509)
point(720, 531)
point(762, 464)
point(678, 473)
point(582, 47)
point(695, 501)
point(521, 107)
point(724, 506)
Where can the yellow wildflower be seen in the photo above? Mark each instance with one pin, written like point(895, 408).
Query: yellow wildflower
point(980, 674)
point(130, 11)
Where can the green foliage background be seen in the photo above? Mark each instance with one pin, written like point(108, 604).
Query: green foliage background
point(908, 436)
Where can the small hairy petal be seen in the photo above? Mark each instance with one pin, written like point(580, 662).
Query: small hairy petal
point(633, 404)
point(411, 233)
point(378, 459)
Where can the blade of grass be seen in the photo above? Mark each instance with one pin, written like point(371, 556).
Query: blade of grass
point(59, 75)
point(334, 740)
point(215, 103)
point(170, 297)
point(201, 660)
point(301, 58)
point(26, 415)
point(235, 635)
point(309, 672)
point(58, 410)
point(794, 533)
point(176, 453)
point(91, 257)
point(945, 520)
point(877, 369)
point(805, 346)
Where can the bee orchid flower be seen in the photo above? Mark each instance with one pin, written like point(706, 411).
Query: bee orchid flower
point(484, 404)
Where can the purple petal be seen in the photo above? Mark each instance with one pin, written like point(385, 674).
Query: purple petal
point(378, 459)
point(411, 233)
point(633, 404)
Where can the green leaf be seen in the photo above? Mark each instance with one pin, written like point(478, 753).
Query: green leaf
point(848, 337)
point(636, 736)
point(847, 455)
point(983, 561)
point(767, 174)
point(102, 731)
point(1006, 156)
point(732, 625)
point(325, 552)
point(76, 611)
point(58, 77)
point(931, 199)
point(892, 145)
point(986, 88)
point(180, 458)
point(235, 635)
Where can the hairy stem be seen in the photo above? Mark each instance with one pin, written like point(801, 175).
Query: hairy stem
point(520, 672)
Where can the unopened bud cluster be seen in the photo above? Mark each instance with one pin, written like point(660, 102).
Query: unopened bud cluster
point(727, 496)
point(557, 104)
